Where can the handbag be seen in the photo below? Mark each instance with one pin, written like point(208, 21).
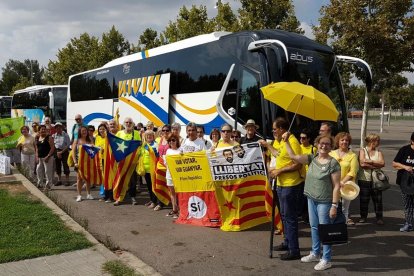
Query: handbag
point(140, 169)
point(336, 232)
point(380, 180)
point(407, 183)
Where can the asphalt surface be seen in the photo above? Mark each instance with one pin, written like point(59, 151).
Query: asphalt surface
point(175, 249)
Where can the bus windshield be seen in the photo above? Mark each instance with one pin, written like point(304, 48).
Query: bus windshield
point(31, 99)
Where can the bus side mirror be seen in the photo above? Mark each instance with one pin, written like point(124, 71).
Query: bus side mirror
point(51, 101)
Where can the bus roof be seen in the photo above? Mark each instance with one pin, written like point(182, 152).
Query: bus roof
point(182, 44)
point(36, 87)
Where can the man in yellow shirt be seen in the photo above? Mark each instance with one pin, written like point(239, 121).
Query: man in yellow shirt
point(289, 179)
point(129, 133)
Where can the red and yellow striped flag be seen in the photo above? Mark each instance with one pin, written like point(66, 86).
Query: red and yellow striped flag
point(242, 202)
point(89, 167)
point(159, 182)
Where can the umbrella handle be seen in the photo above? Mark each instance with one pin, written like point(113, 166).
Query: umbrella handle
point(294, 116)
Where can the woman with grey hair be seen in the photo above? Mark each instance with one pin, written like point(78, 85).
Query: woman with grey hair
point(176, 130)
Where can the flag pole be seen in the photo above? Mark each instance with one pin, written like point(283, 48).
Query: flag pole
point(272, 226)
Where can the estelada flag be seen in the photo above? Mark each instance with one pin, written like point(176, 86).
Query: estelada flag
point(195, 190)
point(242, 202)
point(89, 168)
point(121, 158)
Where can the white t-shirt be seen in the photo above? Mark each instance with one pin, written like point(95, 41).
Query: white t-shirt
point(168, 174)
point(192, 146)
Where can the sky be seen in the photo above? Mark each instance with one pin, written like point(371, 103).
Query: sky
point(37, 29)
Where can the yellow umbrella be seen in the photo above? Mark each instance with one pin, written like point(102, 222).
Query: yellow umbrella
point(301, 99)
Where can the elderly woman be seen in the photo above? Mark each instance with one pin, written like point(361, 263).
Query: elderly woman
point(45, 147)
point(322, 190)
point(27, 146)
point(214, 137)
point(370, 158)
point(176, 130)
point(404, 162)
point(150, 147)
point(349, 166)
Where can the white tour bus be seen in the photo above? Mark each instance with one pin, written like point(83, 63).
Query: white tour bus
point(36, 102)
point(210, 79)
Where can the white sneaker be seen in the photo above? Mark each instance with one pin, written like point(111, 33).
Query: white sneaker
point(310, 258)
point(322, 265)
point(90, 197)
point(79, 198)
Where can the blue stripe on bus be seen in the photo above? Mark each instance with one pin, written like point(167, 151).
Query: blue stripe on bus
point(143, 54)
point(208, 127)
point(153, 107)
point(96, 115)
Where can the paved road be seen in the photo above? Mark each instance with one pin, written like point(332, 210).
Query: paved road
point(188, 250)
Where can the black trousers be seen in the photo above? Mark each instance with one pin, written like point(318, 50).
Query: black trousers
point(153, 197)
point(365, 194)
point(59, 162)
point(132, 190)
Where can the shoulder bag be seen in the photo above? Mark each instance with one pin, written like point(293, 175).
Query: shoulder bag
point(407, 183)
point(380, 180)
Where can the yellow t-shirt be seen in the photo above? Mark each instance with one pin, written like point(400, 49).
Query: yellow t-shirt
point(349, 163)
point(128, 136)
point(287, 179)
point(222, 144)
point(100, 142)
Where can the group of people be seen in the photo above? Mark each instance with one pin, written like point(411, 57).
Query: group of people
point(308, 174)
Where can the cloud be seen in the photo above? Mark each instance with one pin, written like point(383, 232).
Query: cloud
point(308, 30)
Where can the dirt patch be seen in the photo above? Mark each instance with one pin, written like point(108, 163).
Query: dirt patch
point(17, 189)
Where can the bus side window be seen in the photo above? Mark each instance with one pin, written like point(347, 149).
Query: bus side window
point(249, 98)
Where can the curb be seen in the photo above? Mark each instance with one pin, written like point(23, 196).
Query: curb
point(123, 256)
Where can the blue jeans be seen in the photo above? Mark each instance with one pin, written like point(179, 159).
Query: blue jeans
point(288, 197)
point(319, 214)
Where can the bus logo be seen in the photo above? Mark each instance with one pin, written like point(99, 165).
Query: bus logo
point(142, 85)
point(301, 58)
point(126, 68)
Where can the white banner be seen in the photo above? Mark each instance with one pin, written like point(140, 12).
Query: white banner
point(236, 162)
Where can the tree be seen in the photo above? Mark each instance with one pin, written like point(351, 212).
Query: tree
point(189, 23)
point(378, 31)
point(86, 53)
point(268, 14)
point(147, 40)
point(14, 71)
point(225, 19)
point(112, 46)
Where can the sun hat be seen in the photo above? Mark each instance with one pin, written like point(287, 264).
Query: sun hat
point(251, 122)
point(58, 124)
point(350, 190)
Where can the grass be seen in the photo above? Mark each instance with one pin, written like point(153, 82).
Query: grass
point(29, 229)
point(118, 268)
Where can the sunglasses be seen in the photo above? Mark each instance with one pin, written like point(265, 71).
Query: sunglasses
point(225, 130)
point(301, 137)
point(78, 119)
point(173, 140)
point(165, 130)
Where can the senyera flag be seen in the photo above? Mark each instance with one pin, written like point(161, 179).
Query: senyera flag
point(121, 158)
point(89, 168)
point(195, 190)
point(159, 182)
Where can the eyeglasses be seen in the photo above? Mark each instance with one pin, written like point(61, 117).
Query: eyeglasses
point(165, 130)
point(78, 119)
point(303, 137)
point(226, 130)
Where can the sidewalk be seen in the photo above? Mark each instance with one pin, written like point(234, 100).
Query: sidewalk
point(80, 262)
